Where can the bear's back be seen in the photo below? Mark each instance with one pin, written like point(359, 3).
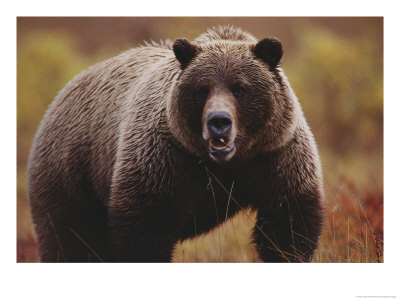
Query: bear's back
point(230, 33)
point(78, 136)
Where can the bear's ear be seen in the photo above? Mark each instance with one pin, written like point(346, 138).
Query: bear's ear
point(184, 51)
point(269, 50)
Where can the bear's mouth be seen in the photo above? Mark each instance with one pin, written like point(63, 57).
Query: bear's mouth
point(220, 146)
point(219, 143)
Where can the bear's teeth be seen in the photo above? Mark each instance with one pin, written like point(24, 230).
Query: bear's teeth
point(220, 143)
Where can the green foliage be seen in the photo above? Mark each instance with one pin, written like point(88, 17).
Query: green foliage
point(340, 85)
point(46, 62)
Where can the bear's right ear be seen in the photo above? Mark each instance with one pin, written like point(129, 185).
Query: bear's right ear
point(184, 51)
point(269, 50)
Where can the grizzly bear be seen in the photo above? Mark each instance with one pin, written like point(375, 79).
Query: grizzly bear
point(149, 148)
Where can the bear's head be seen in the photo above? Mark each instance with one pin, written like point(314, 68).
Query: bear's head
point(231, 99)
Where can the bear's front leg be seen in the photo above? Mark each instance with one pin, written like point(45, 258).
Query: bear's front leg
point(288, 230)
point(142, 233)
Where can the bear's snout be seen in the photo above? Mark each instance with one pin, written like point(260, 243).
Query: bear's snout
point(219, 127)
point(219, 123)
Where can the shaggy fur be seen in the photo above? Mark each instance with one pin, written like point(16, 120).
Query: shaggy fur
point(120, 169)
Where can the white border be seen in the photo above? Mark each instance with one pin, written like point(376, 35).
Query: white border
point(200, 281)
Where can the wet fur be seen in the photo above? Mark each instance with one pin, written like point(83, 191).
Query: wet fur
point(119, 171)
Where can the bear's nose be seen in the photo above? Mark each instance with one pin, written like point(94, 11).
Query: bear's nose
point(219, 123)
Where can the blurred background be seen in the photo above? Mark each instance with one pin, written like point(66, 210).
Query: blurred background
point(335, 66)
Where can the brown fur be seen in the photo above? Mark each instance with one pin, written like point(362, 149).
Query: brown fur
point(120, 169)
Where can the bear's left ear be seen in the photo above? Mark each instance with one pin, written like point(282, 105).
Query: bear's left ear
point(184, 51)
point(269, 50)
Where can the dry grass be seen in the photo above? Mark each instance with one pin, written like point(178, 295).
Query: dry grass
point(233, 246)
point(353, 232)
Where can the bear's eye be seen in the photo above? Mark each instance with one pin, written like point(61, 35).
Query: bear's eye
point(202, 93)
point(238, 91)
